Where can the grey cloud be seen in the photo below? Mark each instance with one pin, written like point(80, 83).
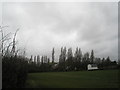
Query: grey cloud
point(47, 25)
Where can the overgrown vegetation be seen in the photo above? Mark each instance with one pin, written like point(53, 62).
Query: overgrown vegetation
point(14, 66)
point(14, 72)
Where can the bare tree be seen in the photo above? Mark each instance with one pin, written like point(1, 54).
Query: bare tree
point(3, 39)
point(7, 50)
point(6, 44)
point(14, 43)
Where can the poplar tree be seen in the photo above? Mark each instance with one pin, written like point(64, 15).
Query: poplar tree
point(62, 59)
point(53, 52)
point(70, 59)
point(92, 56)
point(38, 59)
point(42, 60)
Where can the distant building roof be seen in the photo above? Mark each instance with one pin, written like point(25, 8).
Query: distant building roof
point(93, 65)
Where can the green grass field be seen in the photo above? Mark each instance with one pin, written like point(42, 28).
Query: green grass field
point(78, 79)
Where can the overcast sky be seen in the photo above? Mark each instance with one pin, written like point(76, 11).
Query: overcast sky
point(44, 25)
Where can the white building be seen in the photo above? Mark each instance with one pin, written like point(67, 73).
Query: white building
point(92, 67)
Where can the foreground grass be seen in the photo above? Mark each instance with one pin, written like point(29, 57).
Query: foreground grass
point(78, 79)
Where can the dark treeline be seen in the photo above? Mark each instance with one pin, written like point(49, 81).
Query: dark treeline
point(15, 67)
point(69, 61)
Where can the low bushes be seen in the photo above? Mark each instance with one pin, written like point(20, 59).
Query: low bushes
point(14, 72)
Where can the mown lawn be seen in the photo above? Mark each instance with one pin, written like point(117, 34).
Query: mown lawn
point(75, 79)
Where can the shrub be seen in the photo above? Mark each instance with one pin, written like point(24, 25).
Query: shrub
point(14, 72)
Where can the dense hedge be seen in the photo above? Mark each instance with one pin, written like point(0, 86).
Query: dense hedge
point(14, 72)
point(45, 67)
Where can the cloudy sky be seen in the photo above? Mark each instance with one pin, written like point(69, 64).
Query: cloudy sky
point(44, 25)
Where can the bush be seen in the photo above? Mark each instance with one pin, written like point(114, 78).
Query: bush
point(14, 72)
